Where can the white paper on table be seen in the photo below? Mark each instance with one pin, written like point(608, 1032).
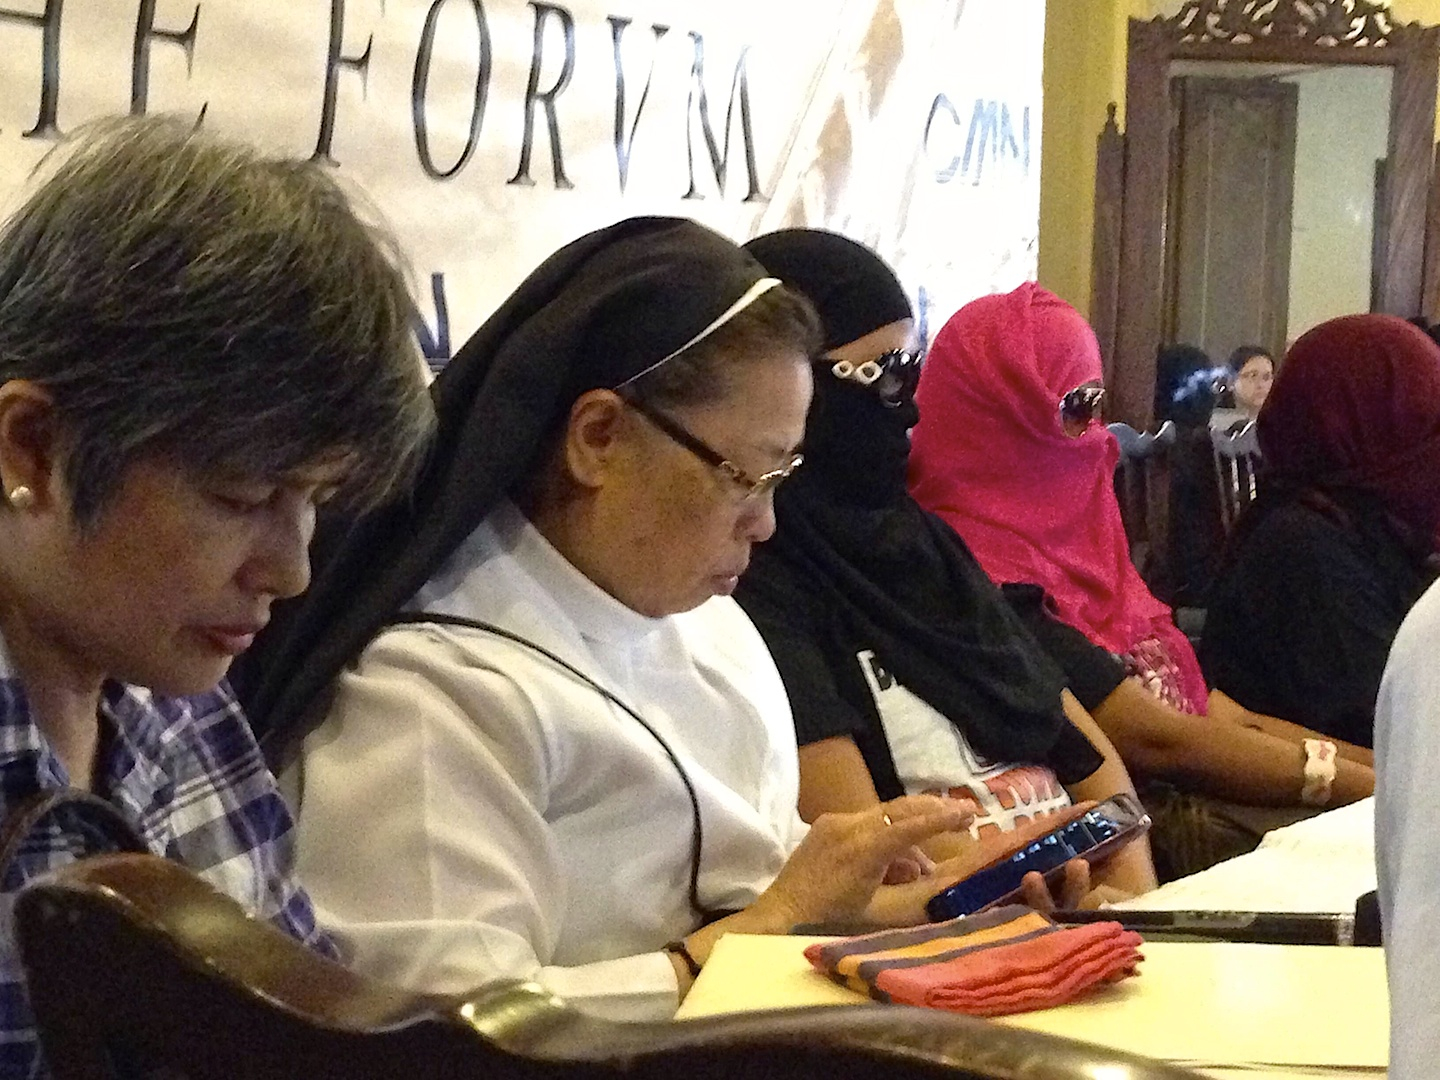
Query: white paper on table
point(1321, 865)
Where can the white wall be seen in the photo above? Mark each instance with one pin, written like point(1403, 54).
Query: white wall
point(1343, 125)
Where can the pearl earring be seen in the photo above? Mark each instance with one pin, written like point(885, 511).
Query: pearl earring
point(21, 497)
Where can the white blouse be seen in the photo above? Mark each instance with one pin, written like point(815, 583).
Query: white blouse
point(470, 812)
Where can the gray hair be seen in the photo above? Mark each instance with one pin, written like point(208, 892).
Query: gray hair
point(181, 295)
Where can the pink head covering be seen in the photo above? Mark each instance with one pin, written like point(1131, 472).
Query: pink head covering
point(1035, 505)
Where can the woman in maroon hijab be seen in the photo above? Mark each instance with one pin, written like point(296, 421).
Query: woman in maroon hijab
point(1323, 567)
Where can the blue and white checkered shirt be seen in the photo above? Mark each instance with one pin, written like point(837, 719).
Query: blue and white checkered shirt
point(187, 774)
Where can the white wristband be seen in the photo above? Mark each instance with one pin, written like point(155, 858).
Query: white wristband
point(1320, 755)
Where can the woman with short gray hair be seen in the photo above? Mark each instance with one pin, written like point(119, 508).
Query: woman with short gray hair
point(198, 346)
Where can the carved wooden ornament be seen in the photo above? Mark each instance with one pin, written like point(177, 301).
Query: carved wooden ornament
point(1349, 23)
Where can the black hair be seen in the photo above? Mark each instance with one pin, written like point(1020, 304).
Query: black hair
point(1245, 353)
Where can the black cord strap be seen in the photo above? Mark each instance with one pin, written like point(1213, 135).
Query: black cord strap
point(680, 949)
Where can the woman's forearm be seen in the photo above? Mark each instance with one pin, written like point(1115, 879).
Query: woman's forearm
point(836, 872)
point(834, 779)
point(1249, 766)
point(1225, 707)
point(759, 918)
point(1131, 870)
point(1215, 755)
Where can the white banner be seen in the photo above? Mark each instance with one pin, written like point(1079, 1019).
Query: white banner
point(489, 132)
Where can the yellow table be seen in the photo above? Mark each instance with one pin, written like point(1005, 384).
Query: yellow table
point(1231, 1010)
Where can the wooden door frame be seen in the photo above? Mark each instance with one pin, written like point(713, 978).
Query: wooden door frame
point(1326, 32)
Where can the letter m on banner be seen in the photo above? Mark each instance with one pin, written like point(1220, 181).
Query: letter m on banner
point(991, 124)
point(699, 109)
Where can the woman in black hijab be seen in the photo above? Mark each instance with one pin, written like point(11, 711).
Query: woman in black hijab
point(906, 669)
point(903, 665)
point(557, 749)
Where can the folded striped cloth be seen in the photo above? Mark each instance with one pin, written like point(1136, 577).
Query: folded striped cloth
point(1007, 960)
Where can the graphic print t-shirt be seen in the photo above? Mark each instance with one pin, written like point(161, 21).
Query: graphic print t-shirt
point(932, 757)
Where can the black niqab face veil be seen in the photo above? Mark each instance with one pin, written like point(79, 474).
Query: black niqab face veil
point(598, 312)
point(900, 578)
point(855, 448)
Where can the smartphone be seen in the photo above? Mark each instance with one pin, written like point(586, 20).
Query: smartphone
point(1093, 836)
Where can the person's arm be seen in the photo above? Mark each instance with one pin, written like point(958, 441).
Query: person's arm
point(423, 837)
point(1214, 755)
point(836, 873)
point(834, 778)
point(1407, 845)
point(1225, 755)
point(1130, 870)
point(1224, 707)
point(236, 830)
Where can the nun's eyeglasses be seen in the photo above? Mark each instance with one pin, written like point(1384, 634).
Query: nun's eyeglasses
point(893, 375)
point(751, 487)
point(1080, 408)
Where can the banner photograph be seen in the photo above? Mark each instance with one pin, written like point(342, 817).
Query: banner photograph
point(487, 133)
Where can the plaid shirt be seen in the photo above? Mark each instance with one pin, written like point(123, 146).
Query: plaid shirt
point(187, 774)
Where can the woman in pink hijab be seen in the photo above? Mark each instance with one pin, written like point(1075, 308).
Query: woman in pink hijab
point(1009, 451)
point(1035, 502)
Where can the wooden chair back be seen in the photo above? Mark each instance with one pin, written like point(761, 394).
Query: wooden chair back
point(1237, 460)
point(1142, 486)
point(137, 968)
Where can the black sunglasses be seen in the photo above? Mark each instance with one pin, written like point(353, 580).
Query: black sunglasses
point(749, 487)
point(1080, 408)
point(892, 375)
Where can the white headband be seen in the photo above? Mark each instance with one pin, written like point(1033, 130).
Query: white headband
point(759, 289)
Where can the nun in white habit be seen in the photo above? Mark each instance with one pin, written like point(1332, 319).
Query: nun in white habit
point(550, 746)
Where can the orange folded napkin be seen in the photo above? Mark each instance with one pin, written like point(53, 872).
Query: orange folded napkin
point(1007, 960)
